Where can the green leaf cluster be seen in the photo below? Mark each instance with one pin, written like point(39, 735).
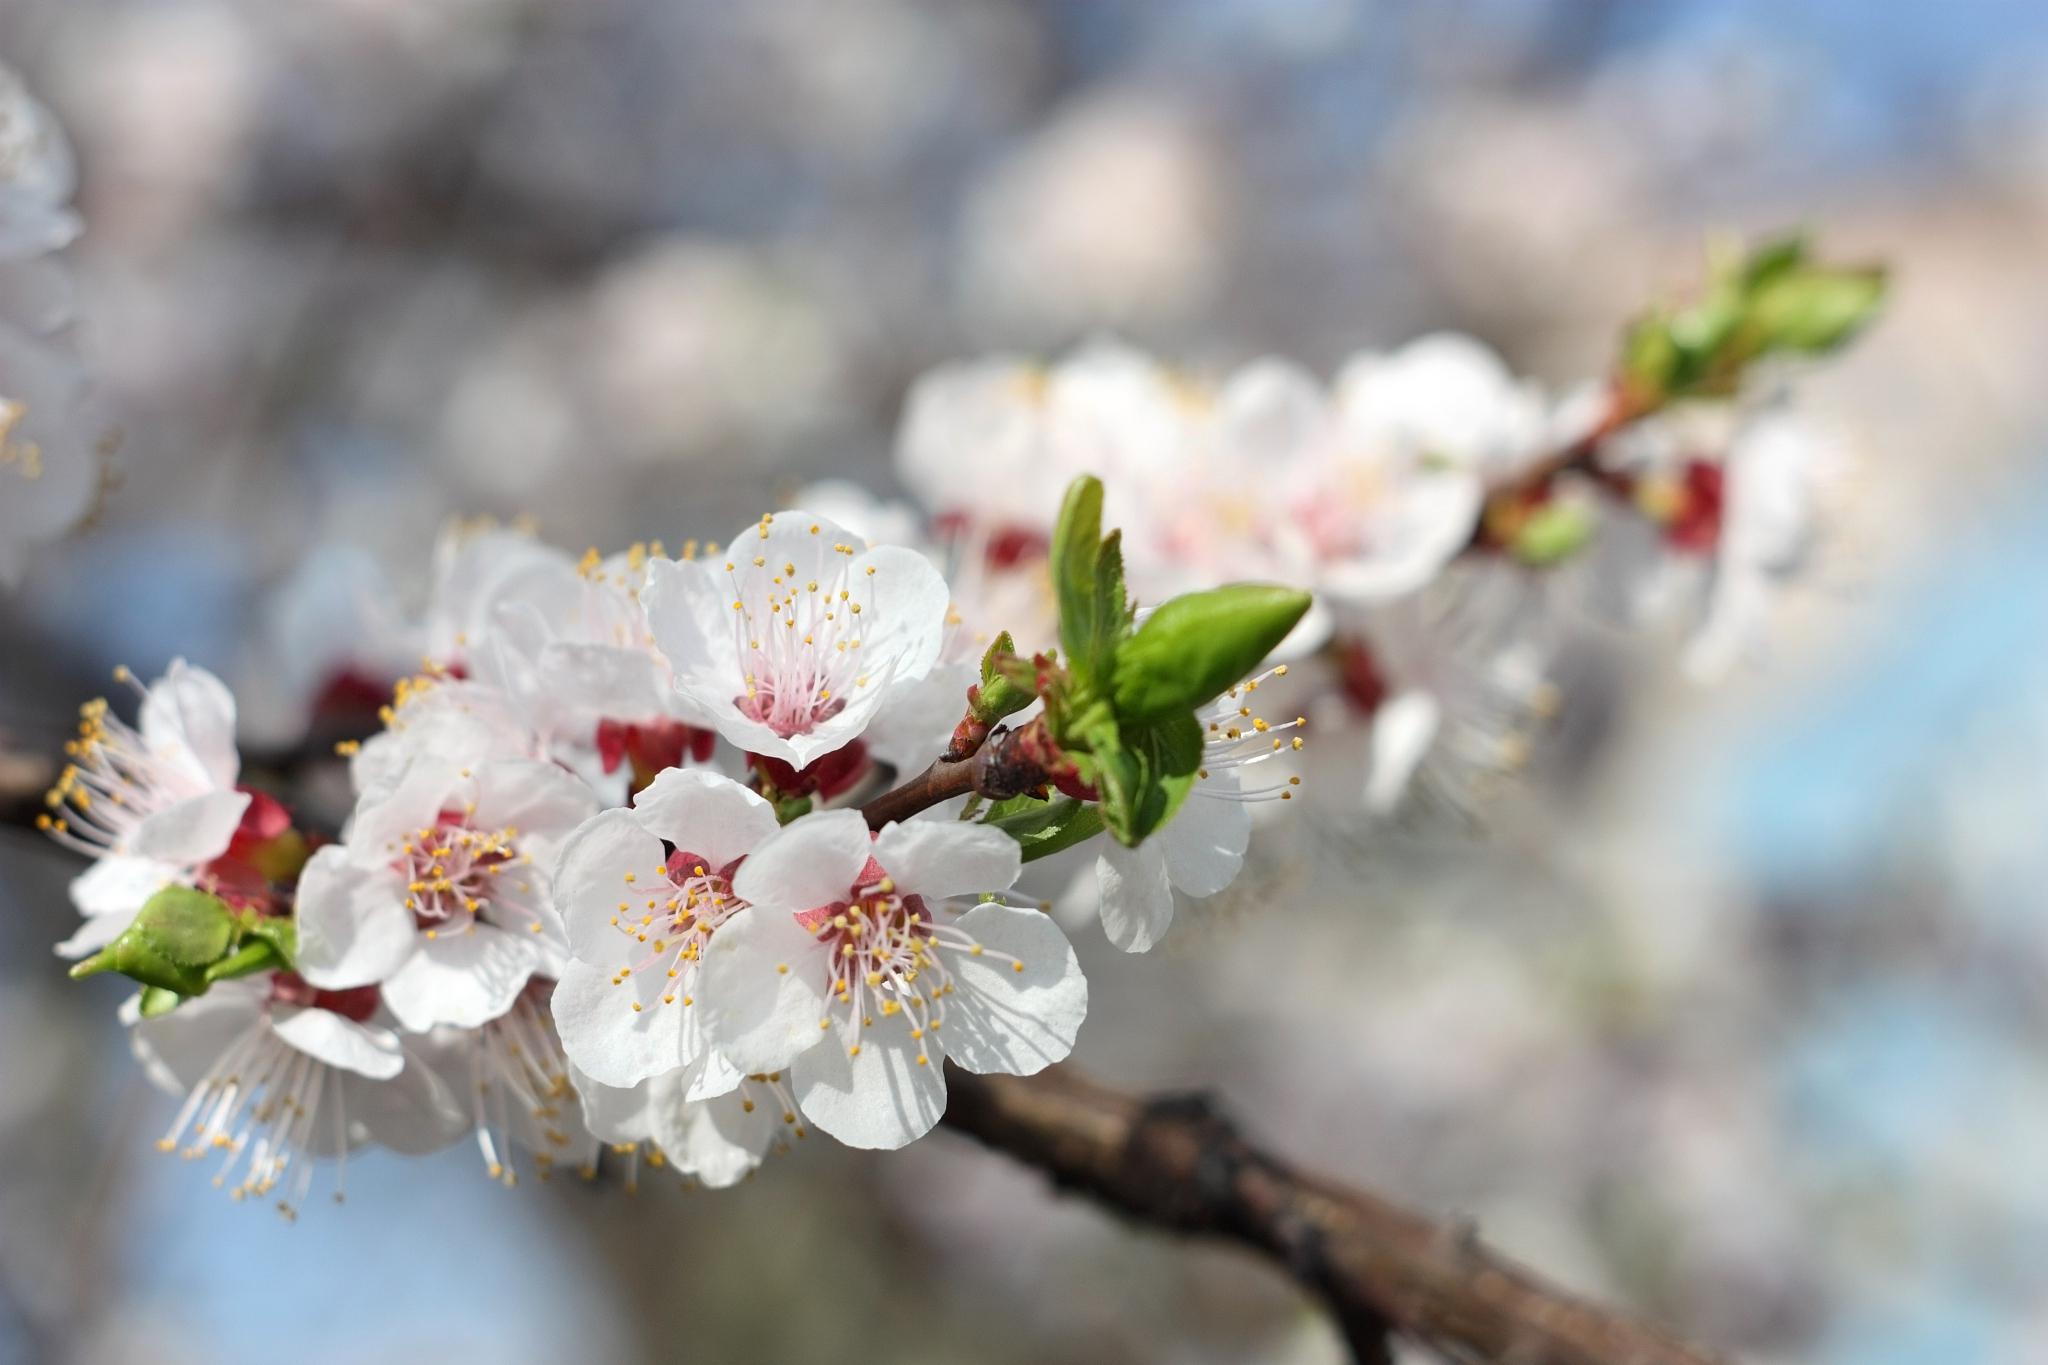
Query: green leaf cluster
point(1776, 300)
point(1123, 707)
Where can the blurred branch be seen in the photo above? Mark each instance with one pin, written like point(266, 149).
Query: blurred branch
point(1175, 1162)
point(24, 777)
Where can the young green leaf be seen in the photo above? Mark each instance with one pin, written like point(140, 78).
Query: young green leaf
point(1145, 779)
point(1050, 827)
point(1196, 645)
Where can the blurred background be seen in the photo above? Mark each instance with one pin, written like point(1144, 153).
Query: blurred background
point(1734, 1014)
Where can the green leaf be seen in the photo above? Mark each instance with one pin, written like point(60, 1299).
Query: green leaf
point(1088, 580)
point(1076, 544)
point(1146, 777)
point(1005, 689)
point(1196, 645)
point(1813, 312)
point(1553, 533)
point(1042, 828)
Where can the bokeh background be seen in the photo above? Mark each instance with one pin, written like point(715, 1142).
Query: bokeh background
point(1734, 1014)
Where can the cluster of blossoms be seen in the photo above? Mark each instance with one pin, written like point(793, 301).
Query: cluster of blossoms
point(52, 448)
point(1449, 516)
point(686, 854)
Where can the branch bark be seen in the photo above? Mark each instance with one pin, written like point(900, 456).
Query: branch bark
point(1178, 1164)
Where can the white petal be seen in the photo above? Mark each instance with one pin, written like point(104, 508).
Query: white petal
point(1402, 732)
point(190, 832)
point(120, 884)
point(716, 1140)
point(616, 1113)
point(1137, 898)
point(619, 1032)
point(705, 813)
point(464, 977)
point(1206, 839)
point(96, 933)
point(762, 989)
point(416, 1112)
point(179, 1048)
point(1000, 1019)
point(540, 800)
point(942, 858)
point(188, 718)
point(811, 861)
point(354, 929)
point(339, 1042)
point(880, 1098)
point(592, 887)
point(912, 729)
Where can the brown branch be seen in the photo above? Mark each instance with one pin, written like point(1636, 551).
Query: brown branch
point(1008, 763)
point(1177, 1164)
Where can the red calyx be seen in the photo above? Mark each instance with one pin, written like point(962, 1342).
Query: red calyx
point(1697, 526)
point(824, 777)
point(1364, 684)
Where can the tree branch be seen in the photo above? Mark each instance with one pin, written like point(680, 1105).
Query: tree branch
point(1176, 1163)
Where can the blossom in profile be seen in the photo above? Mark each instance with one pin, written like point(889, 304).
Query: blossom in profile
point(153, 804)
point(276, 1073)
point(1201, 849)
point(863, 962)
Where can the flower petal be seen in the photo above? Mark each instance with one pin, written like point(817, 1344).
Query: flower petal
point(719, 1141)
point(1402, 732)
point(188, 720)
point(416, 1112)
point(1137, 897)
point(1000, 1018)
point(619, 1032)
point(706, 813)
point(464, 977)
point(541, 801)
point(354, 929)
point(606, 872)
point(811, 861)
point(190, 832)
point(119, 884)
point(942, 858)
point(881, 1097)
point(1205, 841)
point(762, 982)
point(328, 1037)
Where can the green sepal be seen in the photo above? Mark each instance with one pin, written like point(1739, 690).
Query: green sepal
point(280, 932)
point(179, 932)
point(256, 955)
point(1196, 645)
point(155, 1002)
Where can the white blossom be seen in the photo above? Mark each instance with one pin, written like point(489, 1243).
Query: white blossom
point(856, 970)
point(152, 804)
point(791, 641)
